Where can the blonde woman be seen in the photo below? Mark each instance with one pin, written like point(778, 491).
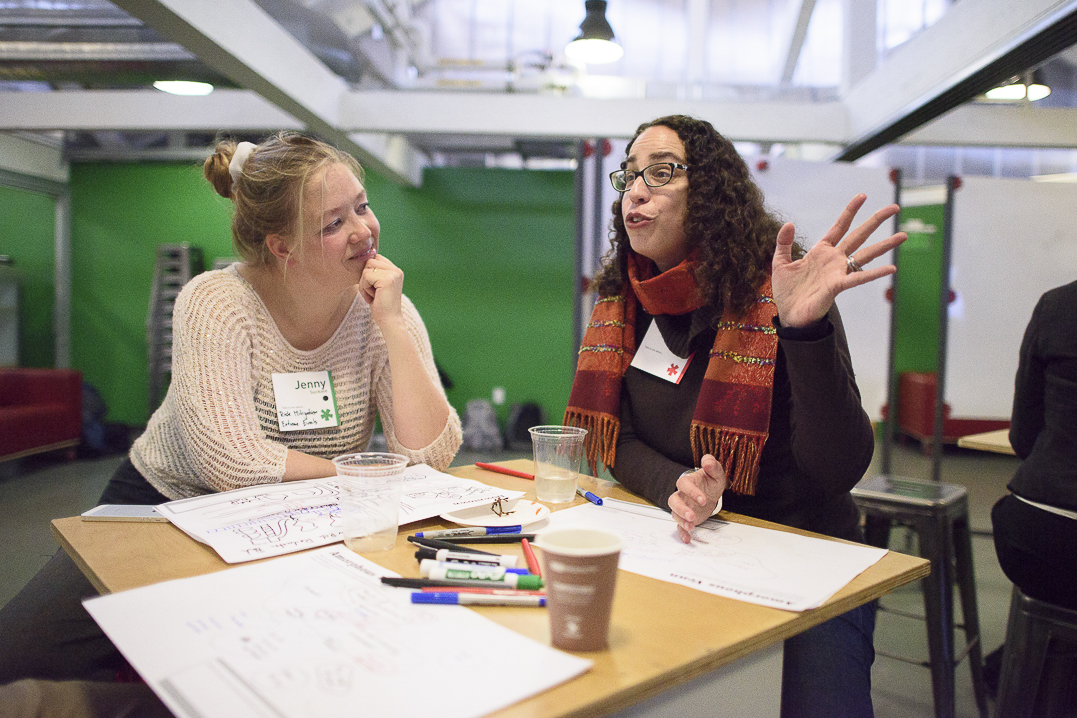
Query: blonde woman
point(314, 303)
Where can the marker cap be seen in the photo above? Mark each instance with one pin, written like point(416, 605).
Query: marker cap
point(529, 582)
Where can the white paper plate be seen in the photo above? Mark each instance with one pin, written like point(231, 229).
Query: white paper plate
point(524, 512)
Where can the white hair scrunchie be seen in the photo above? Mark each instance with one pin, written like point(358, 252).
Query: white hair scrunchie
point(235, 165)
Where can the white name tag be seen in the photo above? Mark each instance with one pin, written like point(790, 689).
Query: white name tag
point(305, 400)
point(654, 357)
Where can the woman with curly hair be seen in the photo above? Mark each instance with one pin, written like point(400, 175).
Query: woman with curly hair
point(715, 368)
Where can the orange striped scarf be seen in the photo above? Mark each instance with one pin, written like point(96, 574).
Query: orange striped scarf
point(732, 414)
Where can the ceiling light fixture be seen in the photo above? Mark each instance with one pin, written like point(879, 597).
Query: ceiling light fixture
point(183, 87)
point(595, 43)
point(1017, 89)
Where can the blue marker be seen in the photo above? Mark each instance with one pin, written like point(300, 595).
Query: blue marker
point(446, 597)
point(589, 496)
point(471, 531)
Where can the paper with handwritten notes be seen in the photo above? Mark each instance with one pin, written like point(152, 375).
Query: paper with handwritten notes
point(758, 565)
point(275, 519)
point(319, 635)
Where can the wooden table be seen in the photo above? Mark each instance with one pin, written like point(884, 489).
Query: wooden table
point(997, 441)
point(661, 636)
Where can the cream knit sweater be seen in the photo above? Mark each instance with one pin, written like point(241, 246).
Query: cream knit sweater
point(217, 427)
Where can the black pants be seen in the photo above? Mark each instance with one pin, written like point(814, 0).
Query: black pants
point(44, 630)
point(1037, 550)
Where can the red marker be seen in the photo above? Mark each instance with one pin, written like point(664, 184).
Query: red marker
point(503, 470)
point(532, 562)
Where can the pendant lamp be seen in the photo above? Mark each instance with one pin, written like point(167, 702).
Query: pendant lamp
point(595, 43)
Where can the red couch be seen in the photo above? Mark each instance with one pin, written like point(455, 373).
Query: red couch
point(40, 410)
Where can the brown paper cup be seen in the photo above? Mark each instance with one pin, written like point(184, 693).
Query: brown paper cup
point(580, 570)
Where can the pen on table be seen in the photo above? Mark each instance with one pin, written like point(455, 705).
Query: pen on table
point(438, 543)
point(589, 496)
point(469, 531)
point(496, 538)
point(454, 598)
point(483, 589)
point(503, 470)
point(532, 562)
point(443, 554)
point(449, 582)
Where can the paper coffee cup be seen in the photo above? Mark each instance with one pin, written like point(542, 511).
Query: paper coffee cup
point(580, 569)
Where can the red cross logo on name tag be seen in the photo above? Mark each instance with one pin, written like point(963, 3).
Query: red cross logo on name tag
point(673, 369)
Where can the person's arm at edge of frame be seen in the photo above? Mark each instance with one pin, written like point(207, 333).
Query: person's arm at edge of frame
point(1027, 419)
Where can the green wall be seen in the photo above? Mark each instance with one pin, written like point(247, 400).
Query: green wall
point(917, 316)
point(27, 235)
point(487, 254)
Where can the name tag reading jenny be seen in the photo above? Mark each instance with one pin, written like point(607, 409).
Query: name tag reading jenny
point(305, 400)
point(654, 357)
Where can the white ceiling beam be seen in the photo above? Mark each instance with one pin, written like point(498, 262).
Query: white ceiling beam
point(145, 110)
point(943, 66)
point(546, 116)
point(390, 115)
point(996, 125)
point(365, 114)
point(698, 18)
point(240, 41)
point(859, 53)
point(796, 41)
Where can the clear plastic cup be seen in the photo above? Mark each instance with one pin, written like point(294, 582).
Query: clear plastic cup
point(558, 450)
point(370, 499)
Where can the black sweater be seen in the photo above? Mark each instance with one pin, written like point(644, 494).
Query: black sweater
point(1043, 431)
point(820, 441)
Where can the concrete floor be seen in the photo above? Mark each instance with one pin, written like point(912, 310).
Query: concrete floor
point(35, 490)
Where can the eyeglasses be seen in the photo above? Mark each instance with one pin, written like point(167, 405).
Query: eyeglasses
point(656, 175)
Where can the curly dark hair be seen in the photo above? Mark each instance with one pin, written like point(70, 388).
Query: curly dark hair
point(727, 223)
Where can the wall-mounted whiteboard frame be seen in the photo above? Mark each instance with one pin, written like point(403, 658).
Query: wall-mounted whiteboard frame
point(1013, 239)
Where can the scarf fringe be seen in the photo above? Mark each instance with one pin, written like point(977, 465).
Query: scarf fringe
point(601, 440)
point(737, 453)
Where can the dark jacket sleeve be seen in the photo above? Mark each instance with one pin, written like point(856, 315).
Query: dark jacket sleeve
point(1027, 420)
point(821, 440)
point(832, 437)
point(641, 469)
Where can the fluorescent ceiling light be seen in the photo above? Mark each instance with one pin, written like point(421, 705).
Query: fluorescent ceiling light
point(1020, 88)
point(1038, 92)
point(183, 87)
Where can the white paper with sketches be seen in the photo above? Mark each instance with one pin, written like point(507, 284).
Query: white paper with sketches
point(763, 566)
point(318, 634)
point(274, 519)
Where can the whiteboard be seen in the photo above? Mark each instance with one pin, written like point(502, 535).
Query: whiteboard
point(811, 195)
point(1012, 241)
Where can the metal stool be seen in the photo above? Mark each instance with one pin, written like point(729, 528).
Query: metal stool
point(1031, 684)
point(938, 513)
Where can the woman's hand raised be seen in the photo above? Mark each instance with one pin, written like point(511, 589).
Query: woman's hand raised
point(804, 289)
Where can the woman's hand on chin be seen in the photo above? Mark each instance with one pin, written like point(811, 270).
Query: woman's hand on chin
point(381, 284)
